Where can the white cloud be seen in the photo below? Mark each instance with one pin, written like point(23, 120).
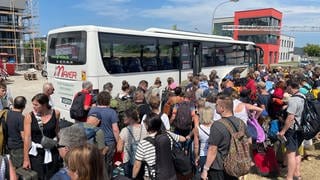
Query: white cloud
point(191, 14)
point(199, 15)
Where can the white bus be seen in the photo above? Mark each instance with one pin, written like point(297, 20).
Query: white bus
point(103, 54)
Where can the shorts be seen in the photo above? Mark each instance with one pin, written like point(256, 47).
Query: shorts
point(294, 140)
point(16, 157)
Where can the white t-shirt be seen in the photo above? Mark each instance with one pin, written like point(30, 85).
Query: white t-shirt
point(164, 118)
point(243, 115)
point(204, 133)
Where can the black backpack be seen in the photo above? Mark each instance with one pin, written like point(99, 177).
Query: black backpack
point(310, 120)
point(77, 111)
point(164, 166)
point(183, 120)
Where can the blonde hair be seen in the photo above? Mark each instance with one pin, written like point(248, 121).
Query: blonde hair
point(86, 161)
point(206, 115)
point(154, 102)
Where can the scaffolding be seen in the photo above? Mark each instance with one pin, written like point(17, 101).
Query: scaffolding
point(19, 26)
point(30, 21)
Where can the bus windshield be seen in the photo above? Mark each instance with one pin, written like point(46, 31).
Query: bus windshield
point(67, 48)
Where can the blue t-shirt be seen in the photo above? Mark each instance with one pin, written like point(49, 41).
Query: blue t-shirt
point(269, 85)
point(108, 117)
point(62, 174)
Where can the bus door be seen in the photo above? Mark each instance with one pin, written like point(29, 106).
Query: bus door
point(196, 57)
point(255, 55)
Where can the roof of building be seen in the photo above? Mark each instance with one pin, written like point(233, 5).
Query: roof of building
point(259, 10)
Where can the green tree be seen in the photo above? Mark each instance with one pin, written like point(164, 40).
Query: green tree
point(312, 49)
point(38, 44)
point(174, 27)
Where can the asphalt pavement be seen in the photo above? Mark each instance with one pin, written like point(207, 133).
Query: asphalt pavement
point(27, 88)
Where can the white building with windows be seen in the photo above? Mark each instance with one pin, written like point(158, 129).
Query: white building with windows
point(286, 48)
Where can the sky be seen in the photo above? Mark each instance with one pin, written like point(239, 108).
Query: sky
point(188, 15)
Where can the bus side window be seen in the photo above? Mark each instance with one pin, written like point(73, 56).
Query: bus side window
point(166, 64)
point(150, 64)
point(116, 66)
point(134, 65)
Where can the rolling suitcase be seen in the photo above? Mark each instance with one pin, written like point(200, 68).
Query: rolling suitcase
point(24, 174)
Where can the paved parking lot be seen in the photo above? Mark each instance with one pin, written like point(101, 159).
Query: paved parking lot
point(21, 87)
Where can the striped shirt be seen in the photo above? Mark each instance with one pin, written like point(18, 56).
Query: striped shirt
point(147, 152)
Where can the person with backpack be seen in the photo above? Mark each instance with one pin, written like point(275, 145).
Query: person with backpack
point(109, 125)
point(13, 134)
point(82, 103)
point(155, 151)
point(124, 101)
point(130, 137)
point(184, 116)
point(291, 132)
point(228, 154)
point(94, 134)
point(155, 104)
point(172, 101)
point(212, 90)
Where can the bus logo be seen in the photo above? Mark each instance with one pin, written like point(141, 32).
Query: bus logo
point(61, 73)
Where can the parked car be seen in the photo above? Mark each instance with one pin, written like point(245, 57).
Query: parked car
point(304, 63)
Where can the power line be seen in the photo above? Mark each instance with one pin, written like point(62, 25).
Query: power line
point(271, 28)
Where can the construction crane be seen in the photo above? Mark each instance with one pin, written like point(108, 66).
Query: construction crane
point(271, 28)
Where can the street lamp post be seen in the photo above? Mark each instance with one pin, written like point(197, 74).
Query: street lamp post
point(215, 9)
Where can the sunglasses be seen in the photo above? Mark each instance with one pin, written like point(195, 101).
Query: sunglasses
point(60, 146)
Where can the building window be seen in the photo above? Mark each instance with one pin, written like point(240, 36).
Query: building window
point(261, 21)
point(264, 39)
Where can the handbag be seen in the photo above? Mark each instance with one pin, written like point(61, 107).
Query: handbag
point(181, 161)
point(46, 142)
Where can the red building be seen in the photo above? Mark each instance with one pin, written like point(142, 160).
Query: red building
point(268, 40)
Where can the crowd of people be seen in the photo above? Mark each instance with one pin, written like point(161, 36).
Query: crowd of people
point(132, 135)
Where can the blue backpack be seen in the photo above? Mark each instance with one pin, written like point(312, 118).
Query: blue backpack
point(274, 128)
point(90, 133)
